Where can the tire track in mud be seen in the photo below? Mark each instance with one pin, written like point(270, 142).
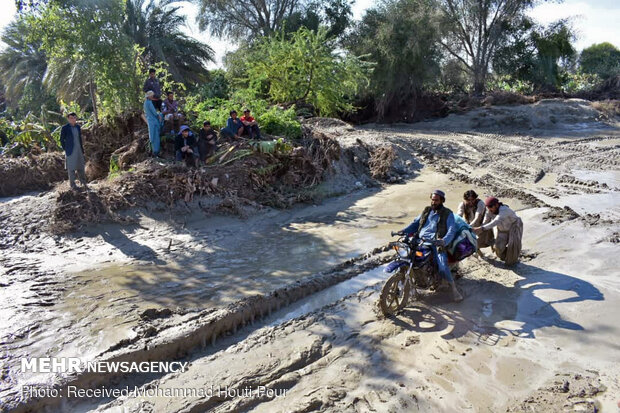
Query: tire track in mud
point(525, 161)
point(176, 338)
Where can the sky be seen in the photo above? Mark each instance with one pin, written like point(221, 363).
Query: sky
point(595, 21)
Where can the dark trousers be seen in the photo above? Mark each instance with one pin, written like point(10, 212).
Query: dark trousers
point(252, 131)
point(206, 148)
point(189, 157)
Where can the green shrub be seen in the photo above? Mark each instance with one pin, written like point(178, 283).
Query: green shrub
point(272, 120)
point(579, 82)
point(506, 83)
point(7, 129)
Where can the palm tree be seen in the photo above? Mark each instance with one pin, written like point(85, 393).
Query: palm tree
point(72, 81)
point(22, 63)
point(156, 26)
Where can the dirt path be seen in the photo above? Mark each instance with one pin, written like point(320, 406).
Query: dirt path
point(528, 337)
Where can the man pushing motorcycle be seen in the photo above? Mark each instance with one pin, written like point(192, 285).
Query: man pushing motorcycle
point(436, 224)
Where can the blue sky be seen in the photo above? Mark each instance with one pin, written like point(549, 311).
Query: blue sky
point(595, 21)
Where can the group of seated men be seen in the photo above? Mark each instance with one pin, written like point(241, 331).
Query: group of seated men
point(187, 148)
point(245, 125)
point(169, 108)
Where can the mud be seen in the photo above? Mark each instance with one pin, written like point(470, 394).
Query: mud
point(513, 346)
point(166, 284)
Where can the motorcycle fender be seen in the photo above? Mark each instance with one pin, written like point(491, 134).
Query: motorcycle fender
point(393, 266)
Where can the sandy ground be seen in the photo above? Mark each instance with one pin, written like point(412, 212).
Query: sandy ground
point(540, 336)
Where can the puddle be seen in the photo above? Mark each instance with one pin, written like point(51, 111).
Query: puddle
point(333, 293)
point(593, 203)
point(611, 178)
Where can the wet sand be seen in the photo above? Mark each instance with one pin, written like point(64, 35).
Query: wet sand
point(518, 331)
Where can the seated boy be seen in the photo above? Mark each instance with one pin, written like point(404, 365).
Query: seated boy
point(250, 126)
point(185, 146)
point(207, 139)
point(234, 126)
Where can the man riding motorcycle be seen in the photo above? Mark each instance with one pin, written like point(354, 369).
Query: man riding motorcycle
point(436, 223)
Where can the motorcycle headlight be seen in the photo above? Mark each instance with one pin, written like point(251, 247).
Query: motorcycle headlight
point(402, 250)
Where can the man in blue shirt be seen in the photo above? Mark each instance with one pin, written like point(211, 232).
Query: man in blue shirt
point(234, 126)
point(436, 223)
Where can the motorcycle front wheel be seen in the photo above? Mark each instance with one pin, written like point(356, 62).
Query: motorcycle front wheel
point(394, 294)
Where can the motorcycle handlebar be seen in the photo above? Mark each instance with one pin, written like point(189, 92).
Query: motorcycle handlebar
point(395, 233)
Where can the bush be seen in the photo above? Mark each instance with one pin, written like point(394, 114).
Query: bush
point(507, 83)
point(273, 120)
point(579, 82)
point(7, 131)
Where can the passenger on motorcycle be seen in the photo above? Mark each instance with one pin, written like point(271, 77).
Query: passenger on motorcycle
point(436, 224)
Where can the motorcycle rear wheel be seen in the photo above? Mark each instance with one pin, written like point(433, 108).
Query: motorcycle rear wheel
point(394, 294)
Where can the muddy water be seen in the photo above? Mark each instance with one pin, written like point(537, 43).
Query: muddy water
point(101, 306)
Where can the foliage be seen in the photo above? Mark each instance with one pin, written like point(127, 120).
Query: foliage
point(602, 59)
point(156, 28)
point(250, 19)
point(217, 86)
point(71, 79)
point(166, 80)
point(22, 66)
point(553, 45)
point(245, 18)
point(473, 29)
point(536, 55)
point(68, 107)
point(506, 83)
point(33, 131)
point(454, 78)
point(401, 37)
point(335, 15)
point(271, 119)
point(307, 68)
point(90, 33)
point(7, 129)
point(579, 82)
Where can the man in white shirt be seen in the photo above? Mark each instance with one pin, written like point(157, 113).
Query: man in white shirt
point(508, 229)
point(471, 209)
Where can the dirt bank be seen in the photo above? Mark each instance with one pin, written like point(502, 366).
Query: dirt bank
point(532, 332)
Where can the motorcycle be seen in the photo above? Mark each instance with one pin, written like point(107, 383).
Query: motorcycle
point(414, 268)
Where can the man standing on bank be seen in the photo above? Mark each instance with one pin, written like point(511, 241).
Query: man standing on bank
point(152, 83)
point(71, 142)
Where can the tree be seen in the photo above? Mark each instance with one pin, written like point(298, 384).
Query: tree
point(335, 15)
point(554, 52)
point(156, 27)
point(22, 67)
point(401, 37)
point(602, 59)
point(307, 68)
point(72, 81)
point(247, 19)
point(473, 29)
point(536, 54)
point(90, 35)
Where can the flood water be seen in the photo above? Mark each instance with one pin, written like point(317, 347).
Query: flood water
point(99, 307)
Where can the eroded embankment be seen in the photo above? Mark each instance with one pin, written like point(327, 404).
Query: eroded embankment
point(175, 337)
point(238, 178)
